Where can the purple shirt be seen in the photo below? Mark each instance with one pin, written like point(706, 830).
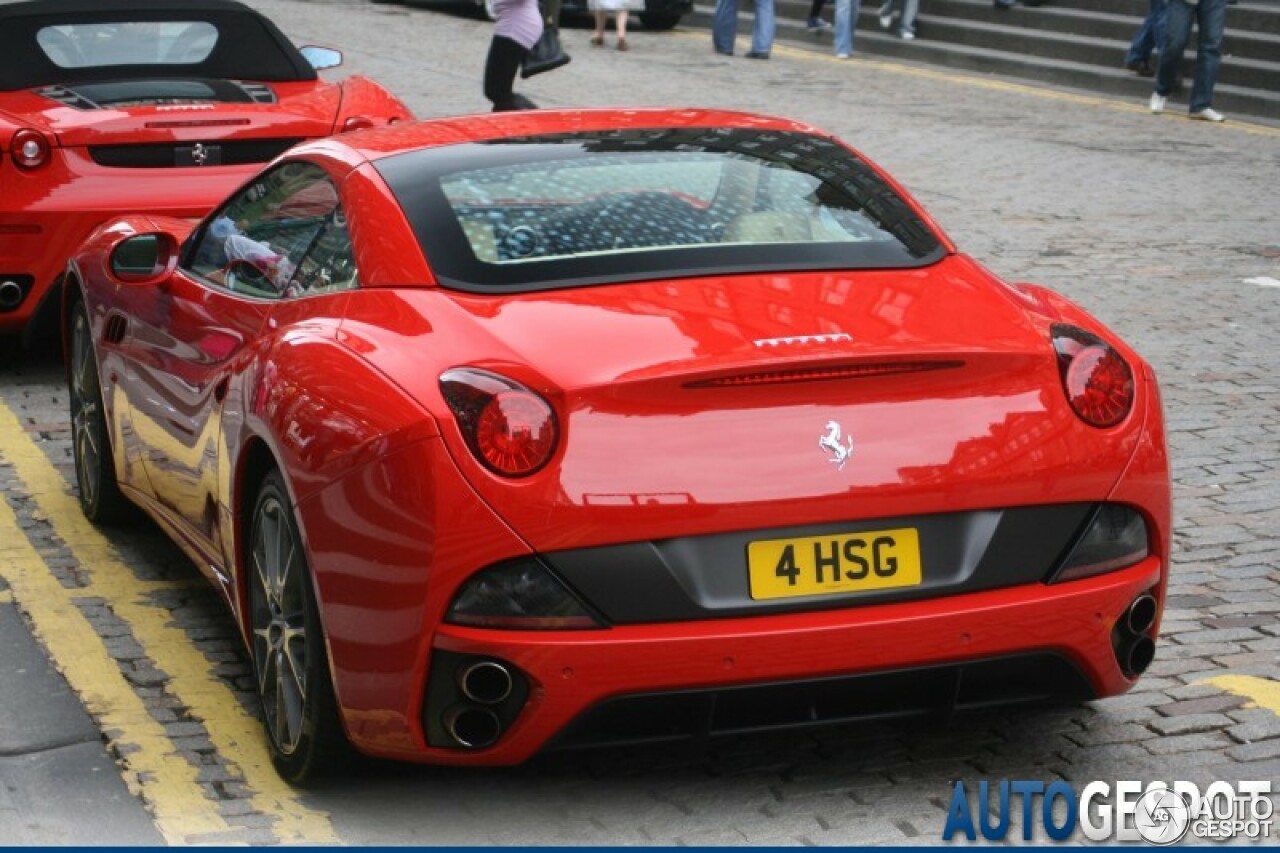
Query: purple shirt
point(518, 20)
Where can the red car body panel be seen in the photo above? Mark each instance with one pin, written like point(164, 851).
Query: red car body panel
point(342, 393)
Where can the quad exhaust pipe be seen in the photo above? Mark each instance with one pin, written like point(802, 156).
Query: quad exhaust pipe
point(474, 728)
point(10, 295)
point(487, 682)
point(1134, 649)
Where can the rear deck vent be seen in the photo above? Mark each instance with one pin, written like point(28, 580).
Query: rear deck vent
point(261, 93)
point(66, 97)
point(823, 374)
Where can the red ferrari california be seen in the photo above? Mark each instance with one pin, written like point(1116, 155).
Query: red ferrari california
point(162, 106)
point(537, 431)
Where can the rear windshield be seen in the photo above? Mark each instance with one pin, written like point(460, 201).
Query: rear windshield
point(128, 43)
point(550, 211)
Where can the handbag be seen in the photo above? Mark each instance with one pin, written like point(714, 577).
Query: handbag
point(547, 54)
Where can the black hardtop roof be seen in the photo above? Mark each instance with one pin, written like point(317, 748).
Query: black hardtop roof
point(253, 47)
point(99, 7)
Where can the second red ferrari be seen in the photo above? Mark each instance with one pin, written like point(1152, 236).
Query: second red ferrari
point(159, 106)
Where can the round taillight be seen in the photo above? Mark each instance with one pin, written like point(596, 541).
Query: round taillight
point(516, 433)
point(1097, 380)
point(29, 149)
point(510, 429)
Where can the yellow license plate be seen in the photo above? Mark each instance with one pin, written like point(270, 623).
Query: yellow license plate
point(840, 562)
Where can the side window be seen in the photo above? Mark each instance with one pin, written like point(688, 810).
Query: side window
point(260, 243)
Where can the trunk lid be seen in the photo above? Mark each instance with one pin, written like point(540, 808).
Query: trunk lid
point(176, 111)
point(764, 401)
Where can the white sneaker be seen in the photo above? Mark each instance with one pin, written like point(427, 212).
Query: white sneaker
point(907, 35)
point(886, 21)
point(1209, 114)
point(1157, 102)
point(842, 56)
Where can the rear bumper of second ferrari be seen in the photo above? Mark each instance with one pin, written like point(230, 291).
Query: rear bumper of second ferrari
point(569, 678)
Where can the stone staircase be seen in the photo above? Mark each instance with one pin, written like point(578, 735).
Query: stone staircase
point(1078, 44)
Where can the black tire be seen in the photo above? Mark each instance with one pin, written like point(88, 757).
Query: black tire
point(99, 492)
point(659, 21)
point(287, 647)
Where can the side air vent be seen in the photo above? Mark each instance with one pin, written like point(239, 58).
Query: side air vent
point(823, 374)
point(261, 93)
point(67, 97)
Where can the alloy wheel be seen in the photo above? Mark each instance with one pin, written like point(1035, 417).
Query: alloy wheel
point(278, 614)
point(85, 404)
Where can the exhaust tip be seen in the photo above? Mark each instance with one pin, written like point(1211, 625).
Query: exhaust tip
point(1142, 614)
point(487, 682)
point(474, 728)
point(10, 294)
point(1141, 653)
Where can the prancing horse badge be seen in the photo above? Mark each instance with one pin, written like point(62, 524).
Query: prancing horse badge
point(838, 453)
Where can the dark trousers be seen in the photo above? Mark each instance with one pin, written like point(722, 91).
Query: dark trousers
point(500, 70)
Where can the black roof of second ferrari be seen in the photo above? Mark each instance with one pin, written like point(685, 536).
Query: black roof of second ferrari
point(249, 46)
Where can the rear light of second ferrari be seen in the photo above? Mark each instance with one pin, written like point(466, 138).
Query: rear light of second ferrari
point(510, 429)
point(1097, 380)
point(29, 149)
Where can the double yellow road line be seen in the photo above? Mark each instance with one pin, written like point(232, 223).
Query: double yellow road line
point(152, 765)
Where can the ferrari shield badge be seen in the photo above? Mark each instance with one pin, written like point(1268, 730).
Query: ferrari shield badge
point(837, 452)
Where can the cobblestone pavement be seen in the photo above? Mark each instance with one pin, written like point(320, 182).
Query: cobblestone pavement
point(1164, 228)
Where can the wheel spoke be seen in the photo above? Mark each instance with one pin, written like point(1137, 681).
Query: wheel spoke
point(291, 702)
point(267, 672)
point(295, 649)
point(264, 583)
point(282, 711)
point(290, 593)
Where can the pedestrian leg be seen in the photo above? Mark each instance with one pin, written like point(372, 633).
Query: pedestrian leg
point(762, 35)
point(1211, 19)
point(846, 23)
point(602, 20)
point(1177, 32)
point(724, 26)
point(621, 20)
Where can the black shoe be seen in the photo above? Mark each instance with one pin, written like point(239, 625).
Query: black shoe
point(723, 52)
point(1142, 67)
point(756, 54)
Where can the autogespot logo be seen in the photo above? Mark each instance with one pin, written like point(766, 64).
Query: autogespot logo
point(1157, 813)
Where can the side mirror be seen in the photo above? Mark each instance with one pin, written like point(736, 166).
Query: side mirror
point(144, 258)
point(321, 57)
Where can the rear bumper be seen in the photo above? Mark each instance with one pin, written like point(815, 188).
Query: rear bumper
point(571, 673)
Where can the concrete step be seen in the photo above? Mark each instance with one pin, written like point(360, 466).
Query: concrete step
point(1073, 43)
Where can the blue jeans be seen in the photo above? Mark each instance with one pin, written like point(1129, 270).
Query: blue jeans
point(724, 26)
point(909, 10)
point(1210, 16)
point(846, 23)
point(1150, 36)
